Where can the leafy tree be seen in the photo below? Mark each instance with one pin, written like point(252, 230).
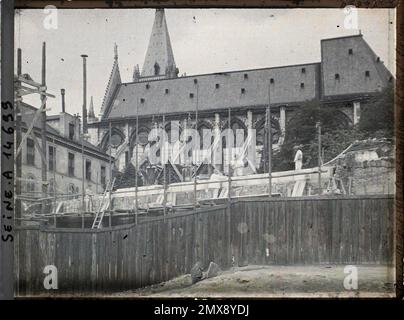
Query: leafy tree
point(127, 179)
point(376, 121)
point(377, 116)
point(302, 130)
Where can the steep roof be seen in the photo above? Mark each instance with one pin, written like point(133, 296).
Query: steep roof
point(289, 85)
point(113, 82)
point(159, 50)
point(216, 91)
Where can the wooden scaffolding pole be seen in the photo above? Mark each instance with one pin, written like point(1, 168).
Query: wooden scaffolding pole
point(18, 139)
point(43, 127)
point(110, 174)
point(162, 159)
point(196, 154)
point(229, 149)
point(268, 124)
point(136, 160)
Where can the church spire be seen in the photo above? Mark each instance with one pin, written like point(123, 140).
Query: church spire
point(159, 60)
point(91, 113)
point(113, 82)
point(115, 51)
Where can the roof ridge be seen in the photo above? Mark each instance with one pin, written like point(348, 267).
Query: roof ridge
point(115, 70)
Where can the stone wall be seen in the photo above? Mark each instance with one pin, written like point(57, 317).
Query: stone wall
point(368, 168)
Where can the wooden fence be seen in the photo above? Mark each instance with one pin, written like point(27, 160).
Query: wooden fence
point(348, 230)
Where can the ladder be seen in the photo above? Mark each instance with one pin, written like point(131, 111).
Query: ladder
point(104, 206)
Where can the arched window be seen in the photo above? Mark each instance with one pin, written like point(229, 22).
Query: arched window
point(170, 129)
point(203, 134)
point(117, 138)
point(143, 140)
point(260, 131)
point(156, 69)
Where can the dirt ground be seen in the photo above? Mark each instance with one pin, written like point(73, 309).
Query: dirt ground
point(277, 281)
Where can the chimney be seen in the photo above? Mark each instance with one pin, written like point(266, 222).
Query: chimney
point(84, 56)
point(62, 92)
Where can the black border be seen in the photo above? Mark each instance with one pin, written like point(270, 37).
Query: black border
point(7, 94)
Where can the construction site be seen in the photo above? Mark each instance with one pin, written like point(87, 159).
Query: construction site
point(117, 206)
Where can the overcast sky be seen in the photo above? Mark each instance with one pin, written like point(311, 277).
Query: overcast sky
point(203, 41)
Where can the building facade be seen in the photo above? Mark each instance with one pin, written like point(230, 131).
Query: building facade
point(348, 74)
point(67, 154)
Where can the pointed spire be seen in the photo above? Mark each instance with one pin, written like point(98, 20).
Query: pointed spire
point(91, 113)
point(159, 60)
point(136, 73)
point(115, 51)
point(113, 82)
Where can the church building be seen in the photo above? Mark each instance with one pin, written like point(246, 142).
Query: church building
point(349, 73)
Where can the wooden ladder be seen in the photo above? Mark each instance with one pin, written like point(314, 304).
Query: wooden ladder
point(104, 206)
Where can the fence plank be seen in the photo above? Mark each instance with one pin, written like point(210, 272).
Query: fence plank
point(299, 231)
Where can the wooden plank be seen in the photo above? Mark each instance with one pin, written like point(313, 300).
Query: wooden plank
point(301, 231)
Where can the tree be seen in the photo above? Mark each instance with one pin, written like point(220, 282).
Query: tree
point(376, 121)
point(377, 116)
point(127, 179)
point(302, 130)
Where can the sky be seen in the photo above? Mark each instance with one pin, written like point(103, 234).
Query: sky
point(203, 41)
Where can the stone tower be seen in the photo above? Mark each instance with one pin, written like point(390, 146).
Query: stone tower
point(159, 61)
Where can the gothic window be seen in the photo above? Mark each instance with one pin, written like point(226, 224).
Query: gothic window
point(203, 134)
point(170, 132)
point(260, 132)
point(143, 137)
point(116, 139)
point(156, 69)
point(238, 125)
point(126, 158)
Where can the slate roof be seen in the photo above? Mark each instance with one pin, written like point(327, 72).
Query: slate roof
point(215, 91)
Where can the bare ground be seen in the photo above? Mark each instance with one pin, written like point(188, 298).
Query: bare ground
point(276, 281)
